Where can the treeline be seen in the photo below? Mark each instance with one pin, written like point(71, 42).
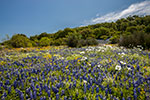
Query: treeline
point(128, 32)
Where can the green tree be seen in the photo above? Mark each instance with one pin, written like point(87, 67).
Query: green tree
point(87, 33)
point(131, 29)
point(43, 35)
point(147, 29)
point(98, 32)
point(72, 39)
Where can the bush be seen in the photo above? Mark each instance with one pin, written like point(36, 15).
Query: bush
point(1, 48)
point(45, 41)
point(147, 41)
point(60, 41)
point(72, 40)
point(91, 41)
point(81, 43)
point(20, 40)
point(137, 38)
point(114, 39)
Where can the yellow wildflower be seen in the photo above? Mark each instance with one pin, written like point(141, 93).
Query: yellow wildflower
point(134, 66)
point(66, 67)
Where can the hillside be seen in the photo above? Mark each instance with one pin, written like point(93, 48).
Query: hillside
point(135, 28)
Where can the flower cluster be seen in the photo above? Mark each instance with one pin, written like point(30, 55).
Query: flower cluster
point(88, 73)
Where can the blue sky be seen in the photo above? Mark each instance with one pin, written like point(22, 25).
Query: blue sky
point(32, 17)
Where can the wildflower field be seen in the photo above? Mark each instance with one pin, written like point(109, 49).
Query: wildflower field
point(62, 73)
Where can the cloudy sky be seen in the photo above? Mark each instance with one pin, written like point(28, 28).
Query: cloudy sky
point(32, 17)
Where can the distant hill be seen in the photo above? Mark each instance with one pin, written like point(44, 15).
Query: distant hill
point(116, 32)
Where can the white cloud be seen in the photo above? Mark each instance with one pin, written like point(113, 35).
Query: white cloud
point(142, 8)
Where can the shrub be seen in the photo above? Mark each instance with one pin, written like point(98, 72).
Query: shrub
point(147, 41)
point(135, 39)
point(82, 42)
point(20, 40)
point(45, 41)
point(91, 41)
point(72, 40)
point(114, 39)
point(1, 48)
point(60, 41)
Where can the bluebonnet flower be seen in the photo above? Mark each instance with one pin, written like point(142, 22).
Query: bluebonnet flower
point(22, 96)
point(5, 94)
point(31, 95)
point(121, 94)
point(7, 82)
point(57, 96)
point(34, 95)
point(97, 97)
point(85, 98)
point(84, 88)
point(15, 84)
point(65, 98)
point(93, 89)
point(9, 90)
point(62, 92)
point(41, 98)
point(97, 89)
point(55, 90)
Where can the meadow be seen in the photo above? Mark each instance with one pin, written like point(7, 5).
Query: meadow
point(62, 73)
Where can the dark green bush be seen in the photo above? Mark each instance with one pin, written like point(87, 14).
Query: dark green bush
point(91, 41)
point(147, 41)
point(60, 41)
point(1, 48)
point(72, 40)
point(135, 39)
point(81, 43)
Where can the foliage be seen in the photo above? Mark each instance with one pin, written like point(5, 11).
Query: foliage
point(91, 41)
point(124, 27)
point(45, 41)
point(72, 39)
point(20, 40)
point(1, 48)
point(115, 39)
point(135, 39)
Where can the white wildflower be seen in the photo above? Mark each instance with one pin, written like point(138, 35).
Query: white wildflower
point(122, 62)
point(99, 66)
point(89, 64)
point(103, 50)
point(128, 68)
point(84, 81)
point(82, 52)
point(118, 67)
point(123, 53)
point(84, 58)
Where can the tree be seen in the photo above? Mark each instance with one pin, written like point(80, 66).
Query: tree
point(98, 32)
point(43, 35)
point(64, 33)
point(72, 39)
point(131, 29)
point(87, 33)
point(147, 29)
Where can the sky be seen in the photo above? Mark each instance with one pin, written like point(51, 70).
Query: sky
point(31, 17)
